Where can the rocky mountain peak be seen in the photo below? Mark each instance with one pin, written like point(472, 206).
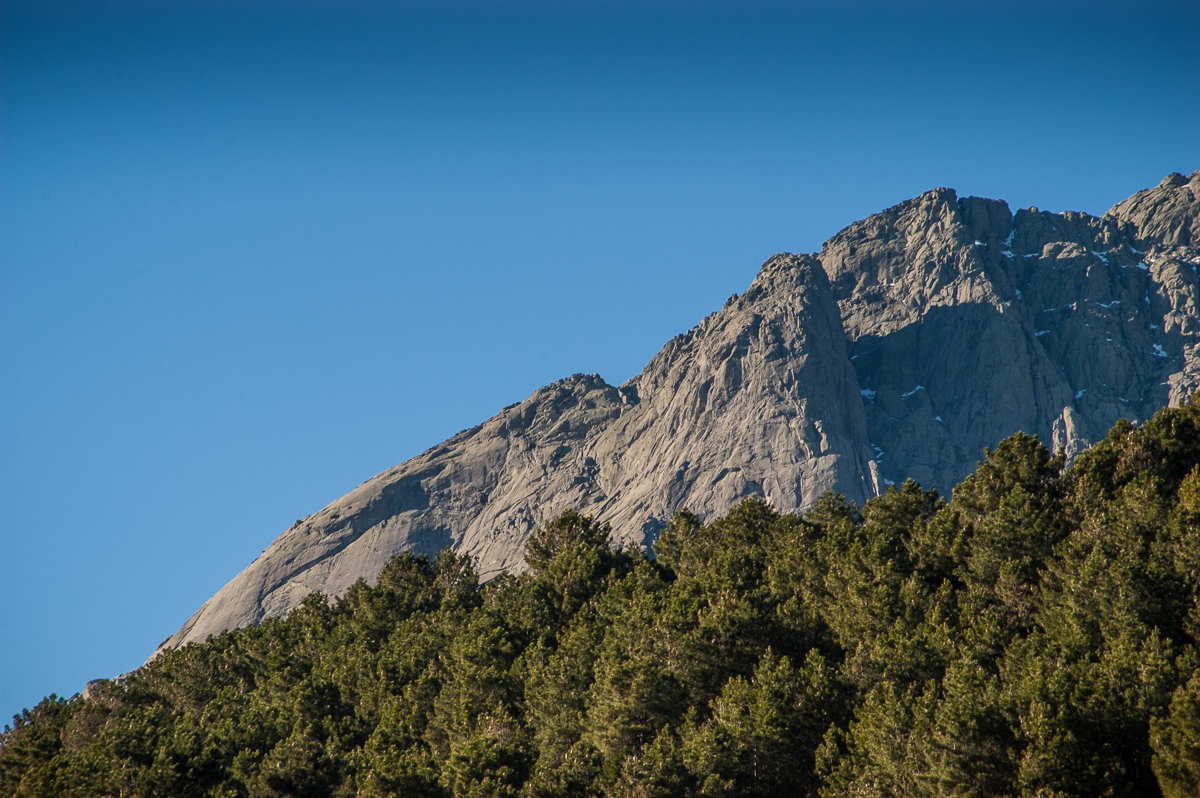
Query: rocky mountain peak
point(1069, 325)
point(914, 339)
point(888, 270)
point(985, 220)
point(759, 398)
point(1165, 216)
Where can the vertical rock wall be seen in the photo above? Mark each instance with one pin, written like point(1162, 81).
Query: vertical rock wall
point(967, 323)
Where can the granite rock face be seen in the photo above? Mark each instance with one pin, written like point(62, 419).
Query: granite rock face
point(914, 339)
point(966, 322)
point(759, 398)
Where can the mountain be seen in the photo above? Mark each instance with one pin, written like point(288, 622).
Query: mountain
point(966, 323)
point(914, 339)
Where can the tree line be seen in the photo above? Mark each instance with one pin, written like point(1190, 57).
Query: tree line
point(1036, 635)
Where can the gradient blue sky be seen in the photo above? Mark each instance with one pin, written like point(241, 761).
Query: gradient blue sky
point(250, 257)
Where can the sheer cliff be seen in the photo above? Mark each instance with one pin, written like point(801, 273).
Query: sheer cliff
point(966, 322)
point(912, 340)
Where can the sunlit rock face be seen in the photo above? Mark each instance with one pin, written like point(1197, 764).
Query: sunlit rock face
point(912, 340)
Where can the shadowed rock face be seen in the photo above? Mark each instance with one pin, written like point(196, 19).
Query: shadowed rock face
point(966, 323)
point(914, 339)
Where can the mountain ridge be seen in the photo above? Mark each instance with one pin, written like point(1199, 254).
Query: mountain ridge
point(830, 372)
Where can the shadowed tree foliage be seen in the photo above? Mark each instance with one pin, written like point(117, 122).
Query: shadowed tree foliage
point(1035, 635)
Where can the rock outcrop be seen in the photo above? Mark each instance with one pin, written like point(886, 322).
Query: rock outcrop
point(760, 397)
point(966, 322)
point(914, 339)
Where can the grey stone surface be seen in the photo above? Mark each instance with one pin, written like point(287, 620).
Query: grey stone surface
point(966, 323)
point(914, 339)
point(760, 397)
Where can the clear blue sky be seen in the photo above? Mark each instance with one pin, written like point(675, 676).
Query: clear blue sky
point(250, 257)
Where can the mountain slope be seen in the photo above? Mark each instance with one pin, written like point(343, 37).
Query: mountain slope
point(967, 322)
point(759, 398)
point(927, 331)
